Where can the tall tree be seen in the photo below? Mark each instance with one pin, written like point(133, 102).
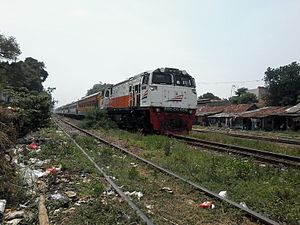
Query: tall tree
point(9, 48)
point(28, 74)
point(283, 84)
point(208, 95)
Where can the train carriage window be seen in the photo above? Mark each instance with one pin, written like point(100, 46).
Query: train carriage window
point(161, 78)
point(130, 88)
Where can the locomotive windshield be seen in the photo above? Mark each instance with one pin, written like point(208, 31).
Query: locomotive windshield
point(161, 78)
point(182, 80)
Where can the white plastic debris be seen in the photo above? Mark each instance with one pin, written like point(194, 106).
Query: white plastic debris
point(167, 189)
point(56, 196)
point(15, 214)
point(14, 222)
point(109, 192)
point(2, 208)
point(223, 194)
point(133, 164)
point(135, 193)
point(243, 204)
point(30, 176)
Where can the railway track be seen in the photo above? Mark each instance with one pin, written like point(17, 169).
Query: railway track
point(138, 211)
point(271, 157)
point(254, 137)
point(252, 214)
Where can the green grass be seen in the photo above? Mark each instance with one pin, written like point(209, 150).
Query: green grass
point(257, 144)
point(173, 207)
point(270, 190)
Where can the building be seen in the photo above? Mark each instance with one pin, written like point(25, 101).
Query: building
point(260, 92)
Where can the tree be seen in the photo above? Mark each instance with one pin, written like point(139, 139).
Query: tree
point(241, 91)
point(98, 87)
point(9, 48)
point(28, 74)
point(243, 97)
point(209, 95)
point(283, 84)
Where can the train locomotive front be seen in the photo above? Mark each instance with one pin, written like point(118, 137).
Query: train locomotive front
point(163, 100)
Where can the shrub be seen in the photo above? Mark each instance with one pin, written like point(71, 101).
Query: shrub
point(97, 119)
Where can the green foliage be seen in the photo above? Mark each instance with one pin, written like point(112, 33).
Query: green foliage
point(9, 48)
point(28, 74)
point(22, 82)
point(241, 91)
point(283, 84)
point(243, 97)
point(97, 119)
point(208, 95)
point(35, 108)
point(98, 87)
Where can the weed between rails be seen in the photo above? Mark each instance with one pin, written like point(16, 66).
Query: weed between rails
point(272, 191)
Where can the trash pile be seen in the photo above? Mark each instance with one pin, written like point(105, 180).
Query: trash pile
point(45, 184)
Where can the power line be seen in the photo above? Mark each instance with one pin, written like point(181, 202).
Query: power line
point(232, 82)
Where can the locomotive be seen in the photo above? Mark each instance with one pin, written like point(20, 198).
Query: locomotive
point(162, 100)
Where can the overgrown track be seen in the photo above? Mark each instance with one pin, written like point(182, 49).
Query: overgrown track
point(247, 211)
point(254, 137)
point(139, 212)
point(271, 157)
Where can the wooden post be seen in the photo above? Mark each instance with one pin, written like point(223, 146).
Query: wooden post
point(43, 217)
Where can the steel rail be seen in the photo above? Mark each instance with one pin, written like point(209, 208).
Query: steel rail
point(249, 212)
point(138, 211)
point(253, 137)
point(271, 157)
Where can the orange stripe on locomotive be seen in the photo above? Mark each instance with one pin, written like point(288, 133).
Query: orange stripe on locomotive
point(120, 102)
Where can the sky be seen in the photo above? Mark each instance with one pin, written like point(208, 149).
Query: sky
point(224, 45)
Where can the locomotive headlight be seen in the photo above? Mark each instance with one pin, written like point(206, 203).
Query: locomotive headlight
point(153, 88)
point(157, 110)
point(190, 111)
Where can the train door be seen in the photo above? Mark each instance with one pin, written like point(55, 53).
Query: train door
point(137, 94)
point(145, 90)
point(131, 96)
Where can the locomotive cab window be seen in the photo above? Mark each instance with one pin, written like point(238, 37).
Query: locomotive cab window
point(161, 78)
point(181, 80)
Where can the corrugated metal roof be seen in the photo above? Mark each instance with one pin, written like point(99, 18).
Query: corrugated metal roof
point(264, 112)
point(225, 115)
point(211, 110)
point(294, 109)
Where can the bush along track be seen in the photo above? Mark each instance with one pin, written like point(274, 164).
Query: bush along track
point(166, 200)
point(264, 188)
